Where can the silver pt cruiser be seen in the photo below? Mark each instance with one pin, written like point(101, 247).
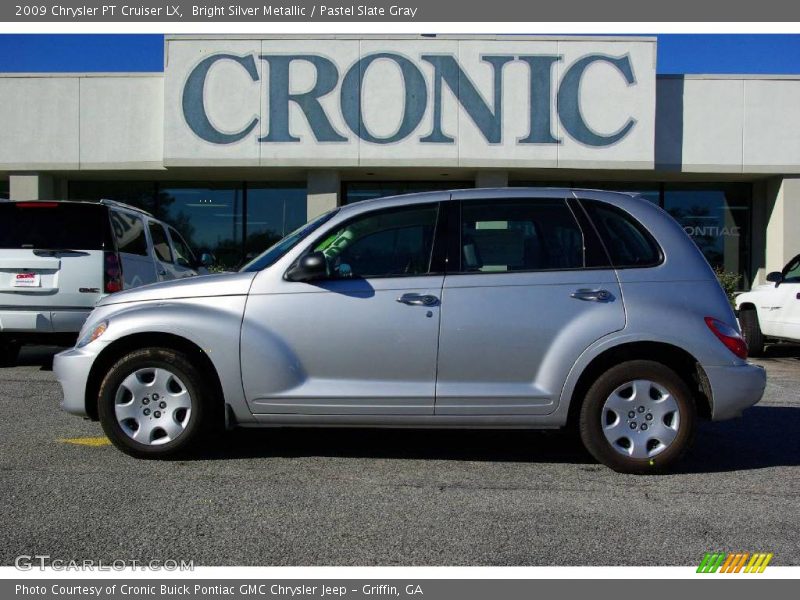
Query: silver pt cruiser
point(505, 308)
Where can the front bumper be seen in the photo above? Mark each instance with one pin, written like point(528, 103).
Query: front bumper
point(735, 388)
point(72, 369)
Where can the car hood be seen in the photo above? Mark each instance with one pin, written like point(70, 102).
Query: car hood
point(224, 284)
point(758, 288)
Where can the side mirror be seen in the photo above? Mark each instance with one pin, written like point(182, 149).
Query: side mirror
point(311, 266)
point(775, 277)
point(206, 259)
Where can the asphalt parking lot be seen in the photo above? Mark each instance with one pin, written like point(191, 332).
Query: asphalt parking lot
point(361, 497)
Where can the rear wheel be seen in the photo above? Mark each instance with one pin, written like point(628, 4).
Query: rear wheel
point(751, 330)
point(154, 403)
point(638, 417)
point(9, 351)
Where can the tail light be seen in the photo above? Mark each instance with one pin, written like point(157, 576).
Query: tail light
point(729, 336)
point(112, 271)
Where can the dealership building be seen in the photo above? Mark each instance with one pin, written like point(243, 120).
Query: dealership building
point(243, 138)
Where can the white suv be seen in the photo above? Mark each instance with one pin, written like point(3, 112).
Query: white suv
point(772, 310)
point(58, 258)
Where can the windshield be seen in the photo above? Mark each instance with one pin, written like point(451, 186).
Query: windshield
point(271, 255)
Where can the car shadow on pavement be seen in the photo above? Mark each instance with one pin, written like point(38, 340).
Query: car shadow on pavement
point(404, 443)
point(38, 356)
point(786, 350)
point(766, 437)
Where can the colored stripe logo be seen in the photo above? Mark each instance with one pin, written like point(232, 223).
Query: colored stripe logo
point(734, 562)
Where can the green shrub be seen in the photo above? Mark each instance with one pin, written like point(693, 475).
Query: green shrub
point(729, 282)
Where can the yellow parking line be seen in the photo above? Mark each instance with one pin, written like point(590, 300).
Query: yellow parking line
point(87, 441)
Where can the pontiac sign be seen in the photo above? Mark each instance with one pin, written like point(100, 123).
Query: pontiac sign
point(385, 101)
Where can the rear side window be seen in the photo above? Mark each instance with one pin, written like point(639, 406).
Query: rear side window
point(128, 233)
point(520, 235)
point(52, 226)
point(160, 242)
point(628, 243)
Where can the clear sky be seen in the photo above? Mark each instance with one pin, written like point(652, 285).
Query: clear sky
point(677, 54)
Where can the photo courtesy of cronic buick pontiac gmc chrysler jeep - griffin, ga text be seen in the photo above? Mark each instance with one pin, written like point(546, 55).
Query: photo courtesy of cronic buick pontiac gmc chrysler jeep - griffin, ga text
point(506, 308)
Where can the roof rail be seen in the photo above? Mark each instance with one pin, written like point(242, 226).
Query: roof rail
point(109, 202)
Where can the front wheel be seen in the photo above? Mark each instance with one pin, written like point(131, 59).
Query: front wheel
point(638, 417)
point(153, 403)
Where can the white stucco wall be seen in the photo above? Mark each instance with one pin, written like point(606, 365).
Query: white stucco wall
point(121, 125)
point(697, 124)
point(729, 124)
point(39, 123)
point(81, 121)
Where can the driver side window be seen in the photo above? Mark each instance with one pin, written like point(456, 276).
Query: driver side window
point(389, 243)
point(791, 272)
point(183, 254)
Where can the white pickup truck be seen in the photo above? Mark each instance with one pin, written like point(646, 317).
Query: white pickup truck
point(772, 310)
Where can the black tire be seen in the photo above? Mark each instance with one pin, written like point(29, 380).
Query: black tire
point(751, 330)
point(591, 424)
point(9, 351)
point(198, 423)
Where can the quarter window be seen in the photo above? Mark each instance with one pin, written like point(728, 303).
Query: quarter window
point(128, 233)
point(520, 235)
point(626, 240)
point(383, 244)
point(160, 242)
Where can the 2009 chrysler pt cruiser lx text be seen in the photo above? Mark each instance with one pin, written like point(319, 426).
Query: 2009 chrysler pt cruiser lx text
point(524, 308)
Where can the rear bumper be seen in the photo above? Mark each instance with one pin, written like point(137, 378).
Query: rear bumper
point(43, 320)
point(735, 389)
point(72, 371)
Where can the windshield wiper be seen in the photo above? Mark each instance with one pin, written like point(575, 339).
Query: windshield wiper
point(52, 250)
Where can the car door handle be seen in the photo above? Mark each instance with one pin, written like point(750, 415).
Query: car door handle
point(418, 299)
point(593, 295)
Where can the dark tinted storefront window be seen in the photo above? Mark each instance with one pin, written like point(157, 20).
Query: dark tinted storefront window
point(355, 191)
point(272, 213)
point(718, 220)
point(4, 190)
point(228, 219)
point(541, 184)
point(651, 192)
point(141, 194)
point(209, 217)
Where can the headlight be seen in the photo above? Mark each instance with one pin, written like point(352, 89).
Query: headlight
point(92, 334)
